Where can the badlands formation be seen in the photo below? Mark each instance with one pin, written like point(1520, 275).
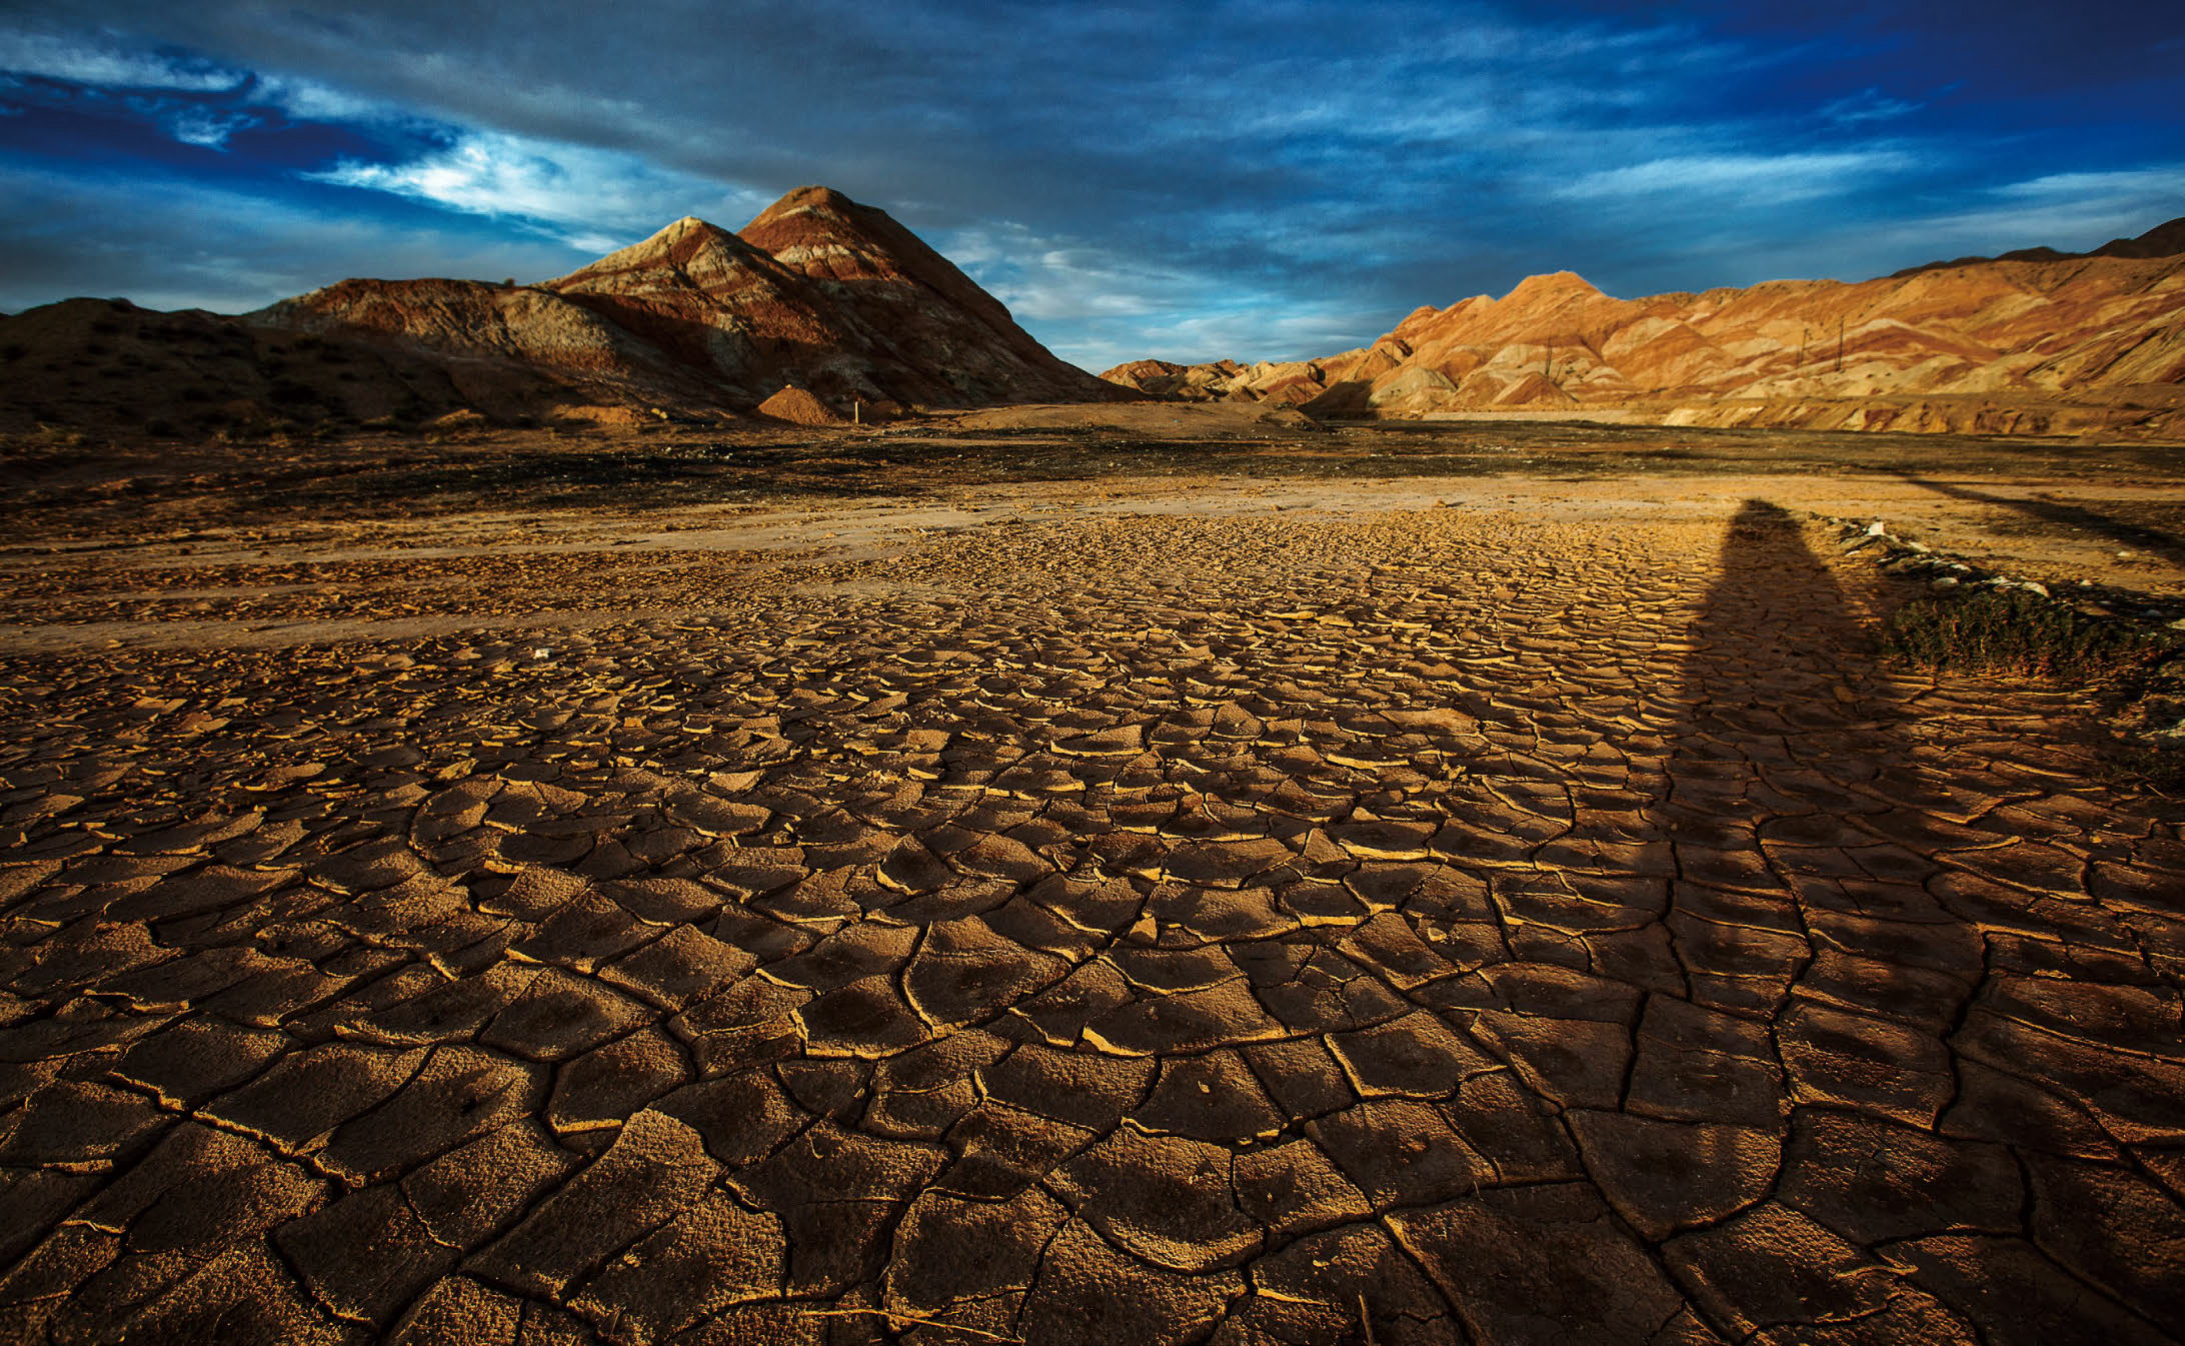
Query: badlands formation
point(830, 299)
point(2034, 342)
point(1121, 873)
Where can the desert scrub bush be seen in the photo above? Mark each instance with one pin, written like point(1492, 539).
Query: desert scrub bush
point(2012, 630)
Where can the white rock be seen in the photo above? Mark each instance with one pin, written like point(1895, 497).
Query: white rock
point(1876, 529)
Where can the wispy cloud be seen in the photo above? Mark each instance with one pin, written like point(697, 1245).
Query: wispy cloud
point(168, 242)
point(1867, 105)
point(311, 101)
point(592, 199)
point(1111, 307)
point(195, 123)
point(1771, 178)
point(110, 63)
point(2072, 211)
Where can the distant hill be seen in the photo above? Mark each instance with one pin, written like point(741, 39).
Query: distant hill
point(2020, 344)
point(2164, 240)
point(818, 294)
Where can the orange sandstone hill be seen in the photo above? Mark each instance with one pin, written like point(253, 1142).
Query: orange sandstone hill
point(819, 295)
point(2033, 343)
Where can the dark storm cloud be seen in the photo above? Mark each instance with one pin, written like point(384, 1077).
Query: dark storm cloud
point(1262, 180)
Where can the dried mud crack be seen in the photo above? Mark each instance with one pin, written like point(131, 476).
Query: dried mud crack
point(1451, 925)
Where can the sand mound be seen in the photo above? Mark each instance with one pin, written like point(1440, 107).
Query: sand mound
point(798, 406)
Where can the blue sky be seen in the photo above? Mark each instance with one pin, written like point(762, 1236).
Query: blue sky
point(1258, 180)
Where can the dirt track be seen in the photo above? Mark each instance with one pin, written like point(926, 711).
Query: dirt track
point(1120, 911)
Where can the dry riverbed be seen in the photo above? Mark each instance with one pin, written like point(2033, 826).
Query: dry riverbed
point(1013, 881)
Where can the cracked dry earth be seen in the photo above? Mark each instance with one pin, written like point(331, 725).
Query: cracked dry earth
point(1451, 926)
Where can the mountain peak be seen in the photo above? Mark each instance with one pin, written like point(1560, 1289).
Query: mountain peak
point(1553, 285)
point(811, 198)
point(682, 231)
point(824, 219)
point(703, 253)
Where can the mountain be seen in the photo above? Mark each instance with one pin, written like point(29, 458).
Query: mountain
point(2164, 240)
point(2064, 344)
point(106, 365)
point(819, 294)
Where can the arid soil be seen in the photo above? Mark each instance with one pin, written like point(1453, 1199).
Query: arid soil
point(1152, 878)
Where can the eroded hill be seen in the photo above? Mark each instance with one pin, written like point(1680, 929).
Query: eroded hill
point(819, 294)
point(2065, 344)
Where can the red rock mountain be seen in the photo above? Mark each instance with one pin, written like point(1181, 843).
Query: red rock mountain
point(821, 296)
point(818, 292)
point(2093, 343)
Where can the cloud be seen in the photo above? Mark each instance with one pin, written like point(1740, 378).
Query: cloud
point(1867, 105)
point(1110, 307)
point(167, 242)
point(2075, 212)
point(311, 101)
point(110, 63)
point(2165, 182)
point(1254, 179)
point(593, 199)
point(1763, 178)
point(194, 123)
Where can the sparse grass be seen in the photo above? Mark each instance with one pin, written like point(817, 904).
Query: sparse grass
point(2019, 632)
point(2159, 766)
point(2023, 633)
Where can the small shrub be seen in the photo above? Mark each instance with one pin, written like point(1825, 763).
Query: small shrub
point(2019, 632)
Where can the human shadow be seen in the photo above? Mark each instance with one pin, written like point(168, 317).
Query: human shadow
point(1791, 910)
point(1830, 918)
point(1788, 746)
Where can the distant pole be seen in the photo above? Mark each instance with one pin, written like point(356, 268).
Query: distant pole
point(1839, 343)
point(857, 412)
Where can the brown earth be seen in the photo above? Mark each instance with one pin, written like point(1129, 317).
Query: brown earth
point(1056, 884)
point(799, 407)
point(2036, 343)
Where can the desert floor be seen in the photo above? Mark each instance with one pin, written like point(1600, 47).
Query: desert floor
point(1162, 878)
